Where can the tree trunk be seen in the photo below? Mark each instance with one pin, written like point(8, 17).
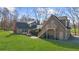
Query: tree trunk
point(74, 27)
point(78, 28)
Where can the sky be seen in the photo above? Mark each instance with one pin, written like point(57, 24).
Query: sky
point(51, 10)
point(30, 11)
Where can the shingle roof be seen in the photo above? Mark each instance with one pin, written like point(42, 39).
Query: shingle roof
point(22, 25)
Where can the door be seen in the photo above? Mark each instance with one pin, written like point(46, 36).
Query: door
point(61, 35)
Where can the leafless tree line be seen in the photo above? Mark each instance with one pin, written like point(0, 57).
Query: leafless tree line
point(40, 13)
point(74, 17)
point(7, 18)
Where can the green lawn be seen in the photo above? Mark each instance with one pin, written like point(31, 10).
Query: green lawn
point(73, 31)
point(14, 42)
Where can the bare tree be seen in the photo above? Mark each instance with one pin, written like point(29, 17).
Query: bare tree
point(35, 12)
point(23, 18)
point(0, 18)
point(71, 16)
point(40, 13)
point(76, 13)
point(5, 18)
point(15, 19)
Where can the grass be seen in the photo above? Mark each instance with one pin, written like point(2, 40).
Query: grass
point(73, 31)
point(14, 42)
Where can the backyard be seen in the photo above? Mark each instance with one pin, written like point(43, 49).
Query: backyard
point(14, 42)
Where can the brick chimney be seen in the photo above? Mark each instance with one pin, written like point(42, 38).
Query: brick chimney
point(14, 26)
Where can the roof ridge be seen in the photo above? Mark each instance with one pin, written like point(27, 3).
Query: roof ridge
point(59, 21)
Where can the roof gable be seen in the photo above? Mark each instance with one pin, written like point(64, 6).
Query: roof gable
point(53, 17)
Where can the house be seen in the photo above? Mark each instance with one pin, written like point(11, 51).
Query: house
point(55, 28)
point(24, 27)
